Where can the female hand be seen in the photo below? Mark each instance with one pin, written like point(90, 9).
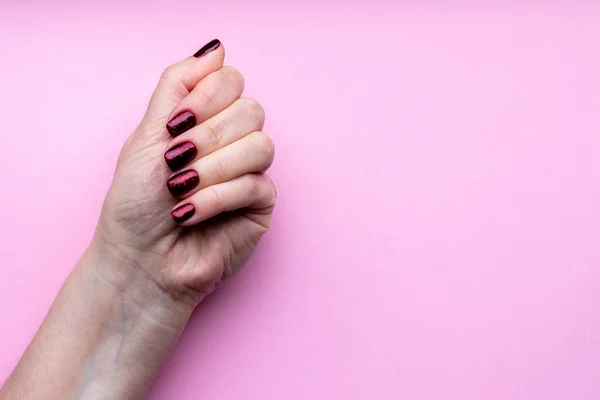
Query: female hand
point(188, 204)
point(190, 198)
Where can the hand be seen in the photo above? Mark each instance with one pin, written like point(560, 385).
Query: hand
point(188, 204)
point(186, 212)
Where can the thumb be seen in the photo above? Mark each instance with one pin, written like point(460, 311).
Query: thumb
point(178, 80)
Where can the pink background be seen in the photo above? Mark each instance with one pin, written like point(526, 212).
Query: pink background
point(438, 166)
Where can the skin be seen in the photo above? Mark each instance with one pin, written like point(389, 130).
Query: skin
point(125, 304)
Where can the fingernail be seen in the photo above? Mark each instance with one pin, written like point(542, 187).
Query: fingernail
point(183, 213)
point(207, 48)
point(179, 155)
point(183, 182)
point(181, 123)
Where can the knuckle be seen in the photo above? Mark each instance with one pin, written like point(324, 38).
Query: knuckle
point(233, 76)
point(205, 101)
point(254, 108)
point(265, 146)
point(216, 201)
point(271, 188)
point(254, 185)
point(214, 133)
point(170, 73)
point(219, 172)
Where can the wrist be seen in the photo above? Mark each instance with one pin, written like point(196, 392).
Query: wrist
point(125, 325)
point(125, 275)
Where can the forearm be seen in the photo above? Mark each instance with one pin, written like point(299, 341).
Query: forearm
point(101, 338)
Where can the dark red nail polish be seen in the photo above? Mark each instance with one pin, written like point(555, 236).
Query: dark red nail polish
point(207, 48)
point(183, 213)
point(179, 155)
point(183, 182)
point(181, 123)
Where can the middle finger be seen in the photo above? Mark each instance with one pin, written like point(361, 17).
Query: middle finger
point(252, 153)
point(245, 115)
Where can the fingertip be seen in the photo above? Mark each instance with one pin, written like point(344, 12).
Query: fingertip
point(178, 80)
point(208, 59)
point(208, 48)
point(182, 213)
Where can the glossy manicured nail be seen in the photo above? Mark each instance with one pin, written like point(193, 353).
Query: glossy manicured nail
point(183, 213)
point(183, 182)
point(181, 123)
point(207, 48)
point(179, 155)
